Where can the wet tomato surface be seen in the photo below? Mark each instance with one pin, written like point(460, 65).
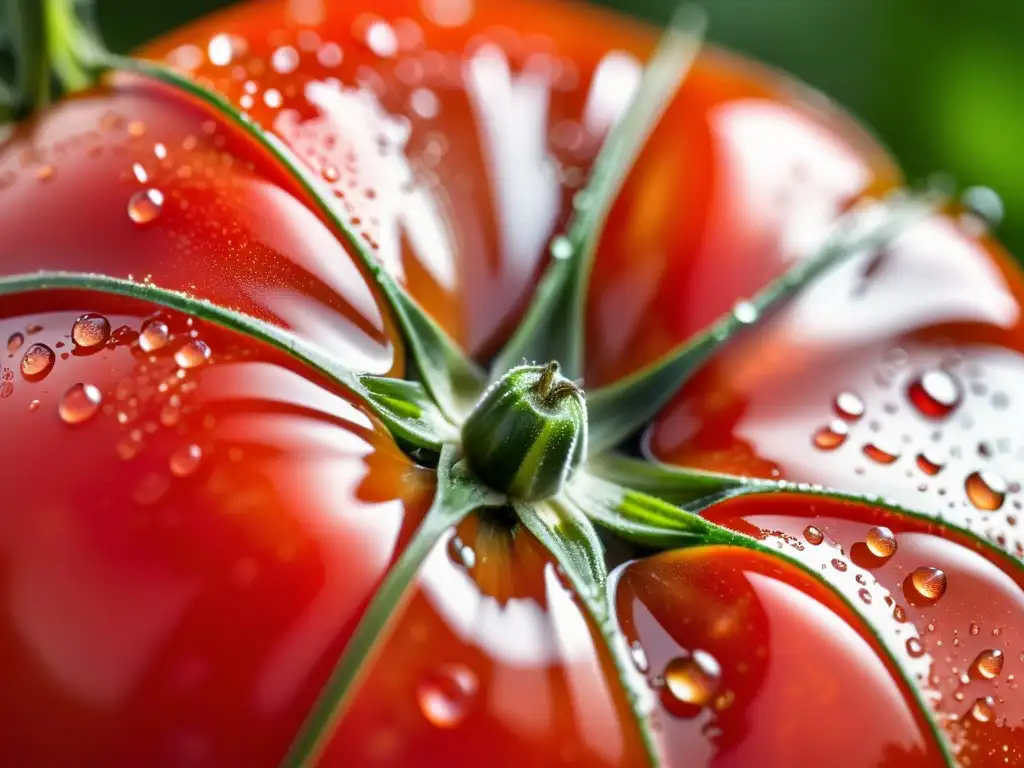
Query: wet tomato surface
point(192, 523)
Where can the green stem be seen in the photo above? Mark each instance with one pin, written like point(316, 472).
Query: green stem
point(620, 409)
point(415, 420)
point(553, 328)
point(457, 495)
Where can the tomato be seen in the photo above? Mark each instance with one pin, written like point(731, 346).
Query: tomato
point(194, 522)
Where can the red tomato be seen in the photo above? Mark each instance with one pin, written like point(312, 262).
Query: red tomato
point(193, 524)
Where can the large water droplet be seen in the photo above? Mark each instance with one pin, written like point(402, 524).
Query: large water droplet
point(446, 696)
point(80, 403)
point(935, 394)
point(832, 436)
point(984, 709)
point(693, 679)
point(988, 664)
point(929, 582)
point(37, 362)
point(849, 406)
point(192, 354)
point(929, 463)
point(155, 335)
point(985, 489)
point(881, 541)
point(90, 330)
point(14, 342)
point(914, 647)
point(145, 205)
point(884, 452)
point(185, 460)
point(813, 535)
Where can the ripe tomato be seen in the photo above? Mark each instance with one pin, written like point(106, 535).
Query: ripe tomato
point(193, 523)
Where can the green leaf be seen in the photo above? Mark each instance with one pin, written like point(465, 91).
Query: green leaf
point(554, 324)
point(457, 495)
point(620, 409)
point(570, 537)
point(402, 406)
point(635, 516)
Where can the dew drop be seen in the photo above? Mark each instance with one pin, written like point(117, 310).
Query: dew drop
point(693, 679)
point(988, 664)
point(561, 247)
point(192, 354)
point(813, 535)
point(929, 463)
point(830, 437)
point(935, 394)
point(639, 656)
point(37, 362)
point(185, 460)
point(899, 613)
point(14, 342)
point(865, 596)
point(881, 541)
point(839, 565)
point(446, 696)
point(145, 205)
point(984, 202)
point(984, 709)
point(745, 312)
point(155, 335)
point(929, 582)
point(985, 489)
point(90, 330)
point(34, 406)
point(849, 406)
point(80, 403)
point(882, 452)
point(914, 647)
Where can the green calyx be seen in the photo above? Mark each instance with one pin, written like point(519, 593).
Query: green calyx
point(528, 433)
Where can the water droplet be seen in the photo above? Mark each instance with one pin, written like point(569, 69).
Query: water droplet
point(881, 541)
point(984, 709)
point(813, 535)
point(988, 664)
point(914, 647)
point(745, 312)
point(985, 489)
point(37, 362)
point(192, 354)
point(832, 436)
point(849, 406)
point(636, 651)
point(446, 696)
point(693, 679)
point(929, 463)
point(80, 403)
point(935, 394)
point(185, 460)
point(865, 596)
point(90, 330)
point(974, 629)
point(145, 205)
point(984, 202)
point(561, 247)
point(899, 613)
point(839, 565)
point(33, 406)
point(45, 172)
point(155, 335)
point(881, 451)
point(14, 342)
point(284, 60)
point(929, 582)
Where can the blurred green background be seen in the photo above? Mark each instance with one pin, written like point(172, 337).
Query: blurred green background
point(939, 81)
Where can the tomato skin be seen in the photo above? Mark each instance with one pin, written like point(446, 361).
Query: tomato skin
point(256, 563)
point(798, 680)
point(163, 610)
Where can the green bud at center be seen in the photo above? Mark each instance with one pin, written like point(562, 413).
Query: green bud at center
point(528, 433)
